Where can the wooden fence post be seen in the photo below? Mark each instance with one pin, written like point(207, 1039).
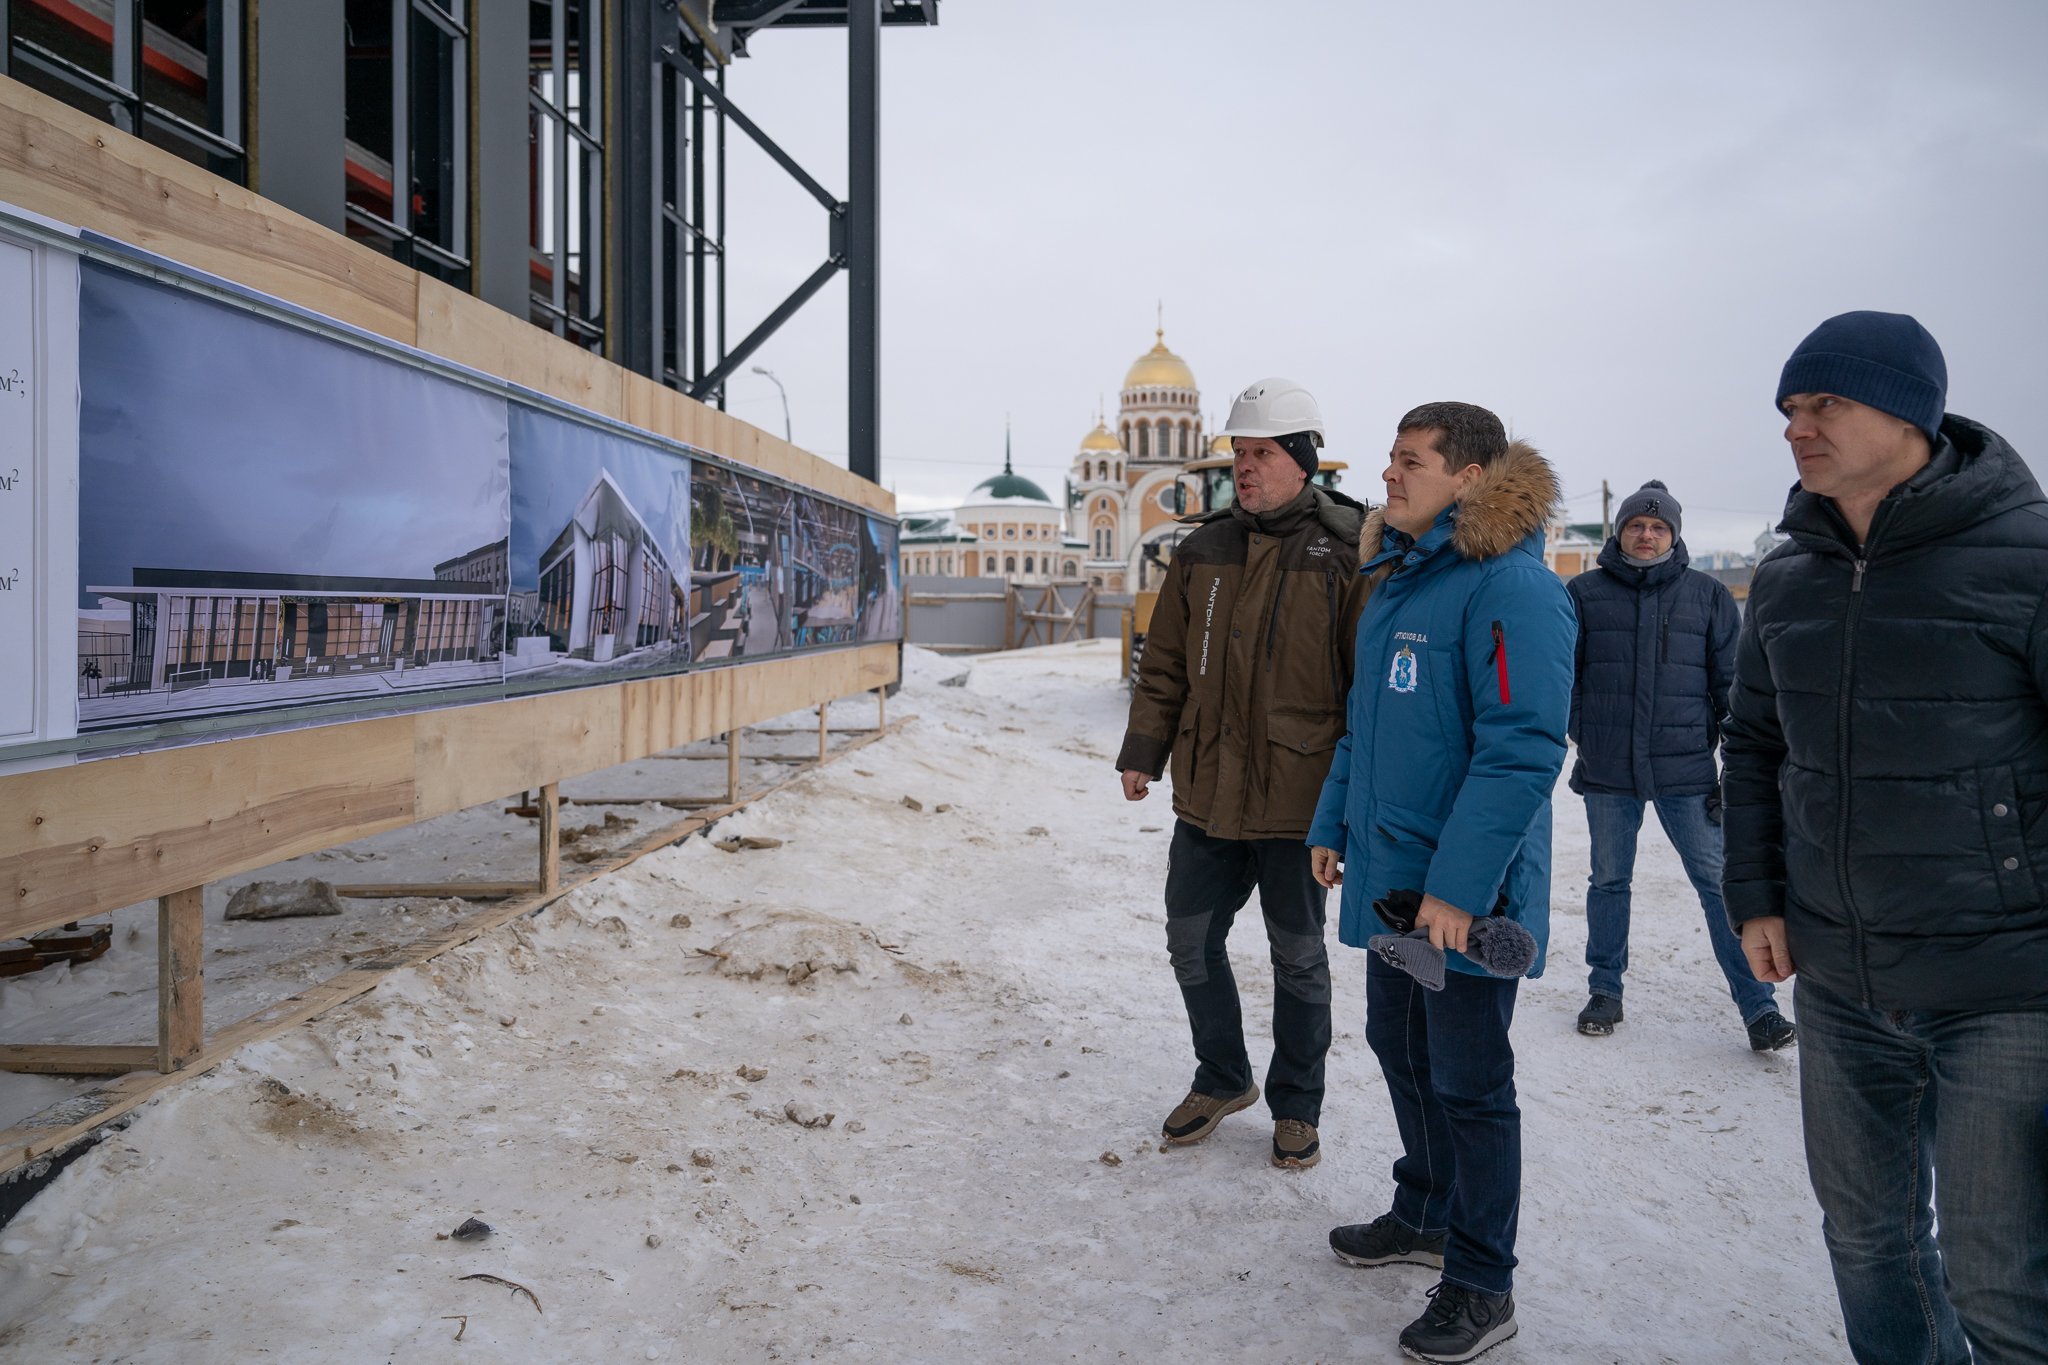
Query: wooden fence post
point(550, 837)
point(180, 984)
point(732, 766)
point(824, 743)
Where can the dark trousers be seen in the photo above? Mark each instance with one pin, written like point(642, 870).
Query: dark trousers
point(1207, 882)
point(1451, 1075)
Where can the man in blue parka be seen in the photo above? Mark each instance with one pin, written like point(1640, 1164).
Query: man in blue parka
point(1441, 785)
point(1656, 656)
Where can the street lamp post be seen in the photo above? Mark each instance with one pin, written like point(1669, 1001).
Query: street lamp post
point(769, 375)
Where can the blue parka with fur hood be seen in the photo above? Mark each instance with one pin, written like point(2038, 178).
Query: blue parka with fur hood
point(1455, 726)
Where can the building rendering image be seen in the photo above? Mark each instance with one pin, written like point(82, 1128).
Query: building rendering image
point(824, 572)
point(187, 642)
point(740, 587)
point(607, 592)
point(881, 583)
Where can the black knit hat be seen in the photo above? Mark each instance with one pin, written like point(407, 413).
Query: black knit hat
point(1653, 499)
point(1302, 446)
point(1886, 361)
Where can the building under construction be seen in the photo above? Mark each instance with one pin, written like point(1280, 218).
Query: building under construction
point(563, 160)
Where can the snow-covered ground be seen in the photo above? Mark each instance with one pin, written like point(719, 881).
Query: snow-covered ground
point(977, 994)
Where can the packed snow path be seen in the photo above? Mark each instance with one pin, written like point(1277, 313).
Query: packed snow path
point(984, 1007)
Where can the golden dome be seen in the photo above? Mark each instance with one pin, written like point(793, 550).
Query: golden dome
point(1100, 439)
point(1159, 368)
point(1221, 447)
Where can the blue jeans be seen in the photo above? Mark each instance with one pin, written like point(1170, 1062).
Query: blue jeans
point(1613, 822)
point(1903, 1105)
point(1451, 1075)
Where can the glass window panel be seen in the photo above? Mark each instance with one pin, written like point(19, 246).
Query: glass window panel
point(69, 32)
point(367, 104)
point(175, 43)
point(585, 41)
point(434, 125)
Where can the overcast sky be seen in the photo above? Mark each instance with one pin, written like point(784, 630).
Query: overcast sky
point(1609, 222)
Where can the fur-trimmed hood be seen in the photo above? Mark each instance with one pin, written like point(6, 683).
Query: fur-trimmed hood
point(1512, 500)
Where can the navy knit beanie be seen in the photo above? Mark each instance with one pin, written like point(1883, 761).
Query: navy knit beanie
point(1653, 499)
point(1886, 361)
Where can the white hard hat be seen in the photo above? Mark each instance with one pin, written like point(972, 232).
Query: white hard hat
point(1274, 407)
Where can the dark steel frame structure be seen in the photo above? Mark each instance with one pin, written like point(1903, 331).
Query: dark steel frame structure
point(653, 133)
point(577, 127)
point(674, 205)
point(132, 111)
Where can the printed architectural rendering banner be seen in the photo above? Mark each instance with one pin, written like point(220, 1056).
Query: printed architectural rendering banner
point(881, 586)
point(269, 518)
point(741, 602)
point(600, 554)
point(280, 523)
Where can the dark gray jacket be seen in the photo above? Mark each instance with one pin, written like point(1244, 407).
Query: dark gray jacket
point(1656, 654)
point(1887, 751)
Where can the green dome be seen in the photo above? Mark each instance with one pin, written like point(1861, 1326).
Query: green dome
point(1007, 485)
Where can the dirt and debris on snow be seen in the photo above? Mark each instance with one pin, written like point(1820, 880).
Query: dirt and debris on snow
point(667, 1058)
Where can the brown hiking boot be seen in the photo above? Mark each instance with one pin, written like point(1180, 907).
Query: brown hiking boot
point(1195, 1117)
point(1295, 1145)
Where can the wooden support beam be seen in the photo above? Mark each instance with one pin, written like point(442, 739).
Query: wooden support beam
point(550, 837)
point(57, 1059)
point(468, 891)
point(732, 765)
point(881, 709)
point(180, 986)
point(824, 731)
point(789, 730)
point(83, 839)
point(672, 802)
point(751, 758)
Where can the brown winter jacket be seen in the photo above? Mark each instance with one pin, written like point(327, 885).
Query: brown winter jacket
point(1247, 663)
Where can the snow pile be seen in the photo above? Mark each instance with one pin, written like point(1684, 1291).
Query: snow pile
point(891, 1090)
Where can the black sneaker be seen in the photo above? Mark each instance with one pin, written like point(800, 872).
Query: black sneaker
point(1770, 1032)
point(1459, 1324)
point(1386, 1240)
point(1600, 1016)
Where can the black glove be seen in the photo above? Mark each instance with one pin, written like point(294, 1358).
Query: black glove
point(1714, 804)
point(1397, 910)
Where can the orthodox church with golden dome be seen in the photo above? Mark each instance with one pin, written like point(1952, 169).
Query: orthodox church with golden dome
point(1117, 525)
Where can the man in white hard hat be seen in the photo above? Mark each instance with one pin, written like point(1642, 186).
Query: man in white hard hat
point(1242, 683)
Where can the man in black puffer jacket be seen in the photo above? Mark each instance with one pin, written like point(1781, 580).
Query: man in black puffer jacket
point(1656, 652)
point(1887, 833)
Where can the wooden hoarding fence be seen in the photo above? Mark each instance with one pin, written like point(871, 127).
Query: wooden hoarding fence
point(79, 839)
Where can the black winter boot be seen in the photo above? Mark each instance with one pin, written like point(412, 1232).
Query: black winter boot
point(1600, 1016)
point(1770, 1032)
point(1459, 1324)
